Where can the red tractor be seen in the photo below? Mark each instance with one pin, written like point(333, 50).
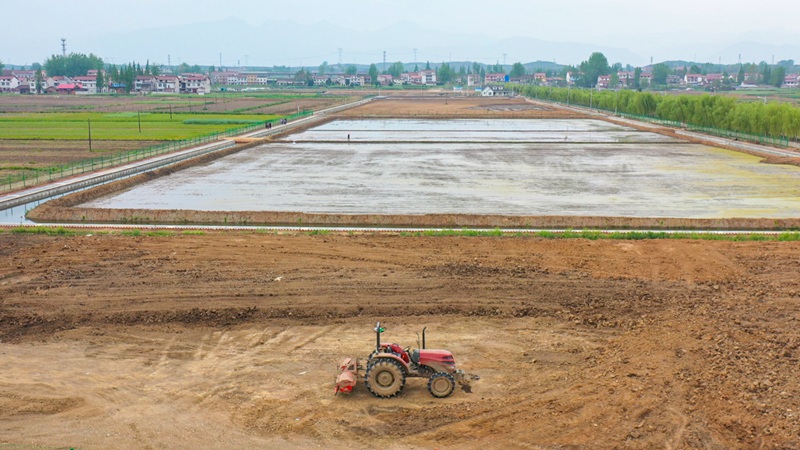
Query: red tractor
point(389, 365)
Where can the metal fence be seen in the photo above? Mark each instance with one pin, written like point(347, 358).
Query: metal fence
point(26, 178)
point(777, 141)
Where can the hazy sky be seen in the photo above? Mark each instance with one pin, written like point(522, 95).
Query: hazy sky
point(644, 27)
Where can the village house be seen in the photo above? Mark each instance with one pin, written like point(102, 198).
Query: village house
point(428, 76)
point(714, 78)
point(68, 88)
point(474, 79)
point(167, 84)
point(791, 81)
point(320, 80)
point(262, 79)
point(89, 84)
point(385, 79)
point(494, 78)
point(9, 83)
point(604, 81)
point(626, 78)
point(195, 83)
point(495, 91)
point(693, 79)
point(571, 78)
point(144, 83)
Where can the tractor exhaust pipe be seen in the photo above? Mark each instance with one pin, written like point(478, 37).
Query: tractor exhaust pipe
point(423, 337)
point(378, 331)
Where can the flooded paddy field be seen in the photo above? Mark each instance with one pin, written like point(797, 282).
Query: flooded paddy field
point(566, 167)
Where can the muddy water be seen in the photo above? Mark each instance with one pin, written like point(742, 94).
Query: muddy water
point(507, 167)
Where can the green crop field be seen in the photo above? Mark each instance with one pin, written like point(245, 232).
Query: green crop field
point(124, 126)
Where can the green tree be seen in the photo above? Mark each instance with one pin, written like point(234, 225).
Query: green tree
point(596, 65)
point(444, 74)
point(517, 70)
point(778, 76)
point(766, 72)
point(373, 74)
point(1, 66)
point(428, 65)
point(695, 69)
point(351, 70)
point(614, 83)
point(73, 65)
point(39, 80)
point(323, 68)
point(476, 67)
point(101, 81)
point(660, 73)
point(396, 69)
point(637, 74)
point(740, 75)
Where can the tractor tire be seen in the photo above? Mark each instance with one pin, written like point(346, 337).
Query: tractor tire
point(385, 378)
point(441, 385)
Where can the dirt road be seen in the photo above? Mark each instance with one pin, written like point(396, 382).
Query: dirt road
point(230, 340)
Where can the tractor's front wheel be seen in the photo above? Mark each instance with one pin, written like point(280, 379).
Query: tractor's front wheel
point(385, 378)
point(441, 384)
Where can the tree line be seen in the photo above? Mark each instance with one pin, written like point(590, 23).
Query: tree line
point(774, 119)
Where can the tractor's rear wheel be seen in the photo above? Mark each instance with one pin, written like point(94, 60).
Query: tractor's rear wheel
point(385, 378)
point(441, 384)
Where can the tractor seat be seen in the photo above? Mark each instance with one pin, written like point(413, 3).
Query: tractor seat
point(397, 350)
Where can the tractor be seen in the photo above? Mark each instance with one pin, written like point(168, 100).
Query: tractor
point(389, 365)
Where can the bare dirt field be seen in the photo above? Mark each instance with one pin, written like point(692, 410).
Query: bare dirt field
point(448, 106)
point(230, 340)
point(18, 155)
point(215, 102)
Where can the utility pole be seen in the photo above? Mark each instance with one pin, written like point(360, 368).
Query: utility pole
point(90, 135)
point(415, 55)
point(384, 60)
point(169, 62)
point(504, 61)
point(340, 58)
point(220, 59)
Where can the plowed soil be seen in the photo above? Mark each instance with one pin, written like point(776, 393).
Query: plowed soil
point(230, 341)
point(447, 106)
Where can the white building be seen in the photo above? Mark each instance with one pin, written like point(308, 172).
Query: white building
point(8, 83)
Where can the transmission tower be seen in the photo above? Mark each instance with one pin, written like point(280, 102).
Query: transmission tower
point(63, 47)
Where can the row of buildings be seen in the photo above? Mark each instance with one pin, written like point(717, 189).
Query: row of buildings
point(423, 77)
point(626, 80)
point(24, 82)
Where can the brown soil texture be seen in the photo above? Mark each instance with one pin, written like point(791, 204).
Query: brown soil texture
point(20, 154)
point(231, 339)
point(216, 102)
point(454, 107)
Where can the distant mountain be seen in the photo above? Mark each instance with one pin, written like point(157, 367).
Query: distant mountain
point(291, 44)
point(288, 43)
point(755, 52)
